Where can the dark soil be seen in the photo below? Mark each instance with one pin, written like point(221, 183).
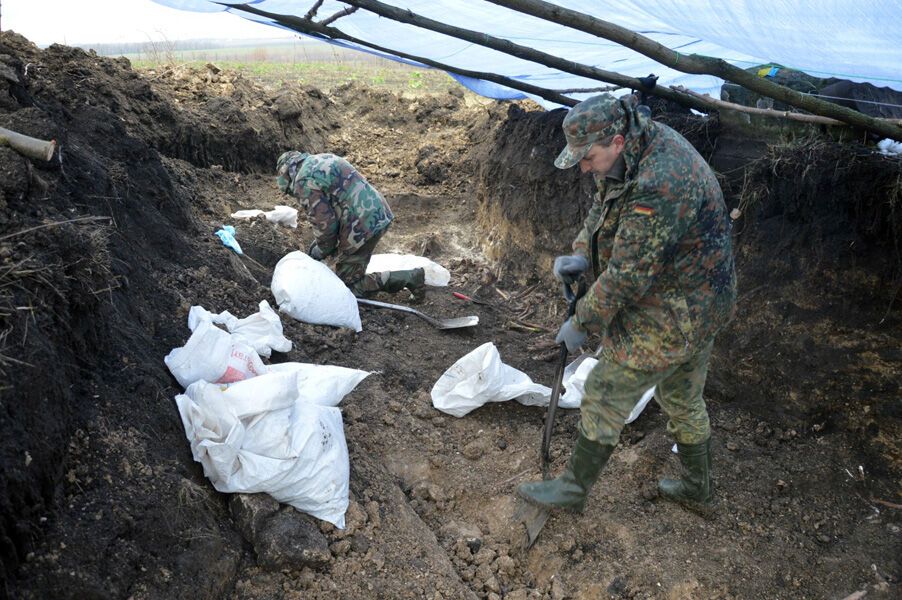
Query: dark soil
point(103, 252)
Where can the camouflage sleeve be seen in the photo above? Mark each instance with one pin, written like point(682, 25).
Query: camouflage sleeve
point(319, 212)
point(650, 227)
point(581, 243)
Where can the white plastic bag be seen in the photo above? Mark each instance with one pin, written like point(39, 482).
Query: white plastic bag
point(436, 275)
point(256, 436)
point(325, 385)
point(261, 330)
point(213, 355)
point(574, 385)
point(309, 291)
point(280, 215)
point(480, 377)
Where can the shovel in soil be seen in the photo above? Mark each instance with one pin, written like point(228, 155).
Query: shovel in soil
point(533, 517)
point(456, 323)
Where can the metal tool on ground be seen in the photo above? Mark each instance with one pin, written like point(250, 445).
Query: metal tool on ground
point(534, 517)
point(455, 323)
point(472, 299)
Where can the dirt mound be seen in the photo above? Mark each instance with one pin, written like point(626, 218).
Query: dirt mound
point(103, 252)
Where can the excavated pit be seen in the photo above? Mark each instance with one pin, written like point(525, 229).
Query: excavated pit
point(103, 252)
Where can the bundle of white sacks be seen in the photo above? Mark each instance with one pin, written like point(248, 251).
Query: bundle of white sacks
point(276, 428)
point(259, 428)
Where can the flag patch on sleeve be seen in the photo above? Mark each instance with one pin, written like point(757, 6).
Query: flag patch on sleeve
point(642, 209)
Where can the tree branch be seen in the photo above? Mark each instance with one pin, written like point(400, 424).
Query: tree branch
point(324, 32)
point(526, 53)
point(767, 112)
point(694, 63)
point(338, 15)
point(312, 12)
point(27, 145)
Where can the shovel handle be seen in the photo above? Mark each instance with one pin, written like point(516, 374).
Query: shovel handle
point(572, 298)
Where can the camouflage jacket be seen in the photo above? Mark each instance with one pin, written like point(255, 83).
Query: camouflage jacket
point(658, 241)
point(343, 207)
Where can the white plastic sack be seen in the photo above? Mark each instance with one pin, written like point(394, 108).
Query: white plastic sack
point(480, 377)
point(889, 147)
point(213, 355)
point(574, 385)
point(325, 385)
point(261, 330)
point(280, 215)
point(309, 291)
point(436, 275)
point(257, 436)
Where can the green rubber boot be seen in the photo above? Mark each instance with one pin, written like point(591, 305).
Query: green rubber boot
point(571, 488)
point(412, 279)
point(695, 485)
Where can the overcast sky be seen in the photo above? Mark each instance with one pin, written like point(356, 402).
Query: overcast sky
point(80, 22)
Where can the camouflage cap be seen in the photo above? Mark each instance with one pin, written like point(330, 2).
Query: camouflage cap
point(587, 122)
point(286, 167)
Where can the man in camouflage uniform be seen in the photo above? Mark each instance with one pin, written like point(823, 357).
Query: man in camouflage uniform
point(657, 245)
point(349, 215)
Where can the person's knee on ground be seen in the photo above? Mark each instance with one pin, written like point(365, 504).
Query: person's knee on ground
point(411, 279)
point(388, 281)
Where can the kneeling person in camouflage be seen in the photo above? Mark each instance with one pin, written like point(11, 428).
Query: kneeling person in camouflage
point(349, 215)
point(657, 250)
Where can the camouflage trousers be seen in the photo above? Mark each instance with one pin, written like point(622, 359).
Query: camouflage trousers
point(612, 390)
point(351, 269)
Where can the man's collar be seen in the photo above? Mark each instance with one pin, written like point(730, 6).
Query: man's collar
point(618, 170)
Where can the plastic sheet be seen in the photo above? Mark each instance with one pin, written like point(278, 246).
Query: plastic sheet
point(857, 41)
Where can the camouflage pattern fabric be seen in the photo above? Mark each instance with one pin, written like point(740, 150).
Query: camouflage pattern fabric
point(658, 242)
point(351, 269)
point(612, 390)
point(343, 207)
point(592, 120)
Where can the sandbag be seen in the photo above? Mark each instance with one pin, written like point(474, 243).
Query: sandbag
point(480, 377)
point(325, 385)
point(259, 436)
point(309, 291)
point(280, 215)
point(436, 275)
point(574, 385)
point(261, 330)
point(213, 355)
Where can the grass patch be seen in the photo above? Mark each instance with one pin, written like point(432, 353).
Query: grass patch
point(322, 66)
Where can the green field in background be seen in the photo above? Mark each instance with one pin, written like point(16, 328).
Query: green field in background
point(317, 64)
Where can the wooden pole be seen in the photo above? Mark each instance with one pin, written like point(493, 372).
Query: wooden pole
point(526, 53)
point(324, 32)
point(695, 63)
point(27, 146)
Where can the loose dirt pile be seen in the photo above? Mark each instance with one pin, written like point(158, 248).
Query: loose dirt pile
point(103, 252)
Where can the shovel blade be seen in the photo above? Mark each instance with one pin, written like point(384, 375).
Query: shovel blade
point(457, 323)
point(437, 323)
point(533, 519)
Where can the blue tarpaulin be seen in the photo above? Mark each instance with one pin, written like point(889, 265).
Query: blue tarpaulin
point(859, 41)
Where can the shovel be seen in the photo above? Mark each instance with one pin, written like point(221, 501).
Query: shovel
point(456, 323)
point(533, 517)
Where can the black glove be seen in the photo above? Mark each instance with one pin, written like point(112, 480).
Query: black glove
point(314, 251)
point(571, 335)
point(569, 268)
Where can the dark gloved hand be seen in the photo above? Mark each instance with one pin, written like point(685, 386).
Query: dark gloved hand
point(571, 335)
point(569, 268)
point(314, 252)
